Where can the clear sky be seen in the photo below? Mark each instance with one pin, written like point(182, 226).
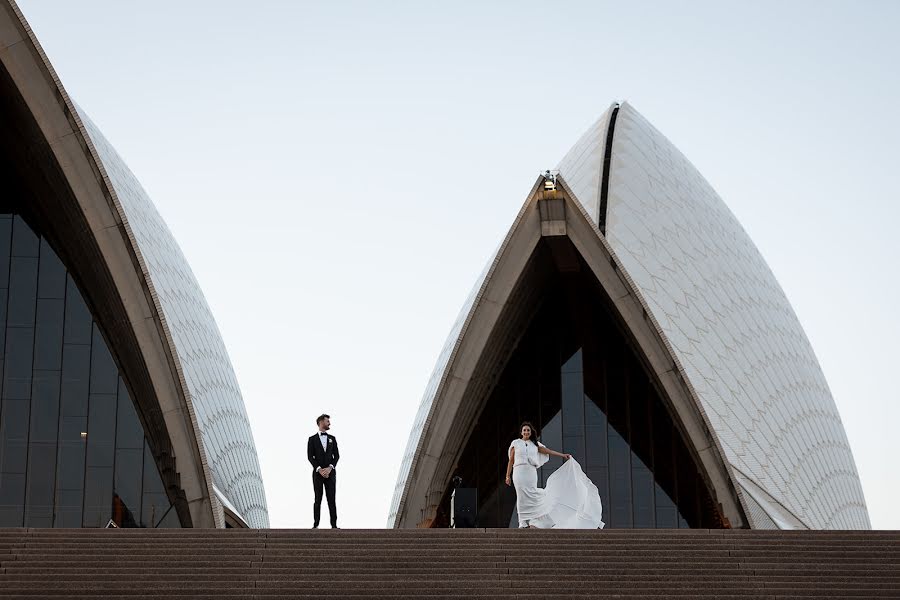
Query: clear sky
point(337, 173)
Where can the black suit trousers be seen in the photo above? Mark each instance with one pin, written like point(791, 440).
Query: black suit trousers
point(328, 483)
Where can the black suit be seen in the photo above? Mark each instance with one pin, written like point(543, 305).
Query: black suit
point(321, 458)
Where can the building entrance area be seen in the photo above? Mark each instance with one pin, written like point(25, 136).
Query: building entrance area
point(72, 449)
point(575, 375)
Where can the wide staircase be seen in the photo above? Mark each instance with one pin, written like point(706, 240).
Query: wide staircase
point(473, 563)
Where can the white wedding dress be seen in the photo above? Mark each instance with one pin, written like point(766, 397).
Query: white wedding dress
point(570, 500)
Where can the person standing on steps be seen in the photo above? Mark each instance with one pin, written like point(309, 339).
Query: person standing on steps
point(570, 499)
point(322, 451)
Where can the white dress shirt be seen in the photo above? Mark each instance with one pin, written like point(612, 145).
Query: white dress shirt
point(323, 437)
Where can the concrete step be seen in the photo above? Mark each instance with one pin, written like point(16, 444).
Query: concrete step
point(552, 548)
point(478, 563)
point(300, 595)
point(422, 535)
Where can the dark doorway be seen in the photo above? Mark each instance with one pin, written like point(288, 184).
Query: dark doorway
point(577, 377)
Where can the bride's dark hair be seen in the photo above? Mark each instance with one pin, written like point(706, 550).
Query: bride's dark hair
point(534, 432)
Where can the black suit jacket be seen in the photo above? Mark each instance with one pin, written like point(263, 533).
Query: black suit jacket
point(319, 457)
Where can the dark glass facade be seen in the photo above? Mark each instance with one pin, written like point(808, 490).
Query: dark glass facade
point(72, 448)
point(576, 377)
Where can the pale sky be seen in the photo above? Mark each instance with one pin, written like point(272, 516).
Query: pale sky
point(337, 174)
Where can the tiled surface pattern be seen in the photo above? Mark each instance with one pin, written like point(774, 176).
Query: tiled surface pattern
point(732, 328)
point(582, 166)
point(758, 515)
point(212, 386)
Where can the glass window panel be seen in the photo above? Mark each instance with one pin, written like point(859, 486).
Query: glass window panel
point(68, 508)
point(688, 499)
point(551, 436)
point(52, 277)
point(572, 404)
point(485, 475)
point(65, 409)
point(600, 478)
point(594, 416)
point(23, 273)
point(573, 413)
point(170, 520)
point(154, 502)
point(101, 431)
point(573, 364)
point(528, 390)
point(152, 481)
point(78, 327)
point(98, 496)
point(12, 499)
point(640, 415)
point(48, 337)
point(642, 491)
point(663, 452)
point(595, 419)
point(41, 485)
point(514, 518)
point(17, 374)
point(5, 247)
point(35, 520)
point(619, 481)
point(127, 486)
point(70, 471)
point(14, 436)
point(73, 429)
point(666, 512)
point(3, 299)
point(24, 240)
point(45, 407)
point(104, 373)
point(129, 432)
point(75, 380)
point(153, 508)
point(617, 396)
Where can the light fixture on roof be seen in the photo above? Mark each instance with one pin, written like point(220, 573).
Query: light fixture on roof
point(549, 181)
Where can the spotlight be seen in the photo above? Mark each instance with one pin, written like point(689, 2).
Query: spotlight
point(549, 181)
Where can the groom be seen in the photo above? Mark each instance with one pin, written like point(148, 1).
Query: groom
point(322, 451)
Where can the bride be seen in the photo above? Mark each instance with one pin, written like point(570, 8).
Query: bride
point(570, 500)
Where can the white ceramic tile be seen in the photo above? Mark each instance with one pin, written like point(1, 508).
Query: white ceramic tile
point(212, 385)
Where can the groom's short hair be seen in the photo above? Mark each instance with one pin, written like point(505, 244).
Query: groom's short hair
point(321, 418)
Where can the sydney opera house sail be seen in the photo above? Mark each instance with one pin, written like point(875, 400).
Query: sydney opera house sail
point(118, 402)
point(630, 317)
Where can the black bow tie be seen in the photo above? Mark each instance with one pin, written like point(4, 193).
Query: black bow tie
point(323, 434)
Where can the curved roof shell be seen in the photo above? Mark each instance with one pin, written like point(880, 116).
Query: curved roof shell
point(204, 366)
point(144, 293)
point(733, 330)
point(753, 399)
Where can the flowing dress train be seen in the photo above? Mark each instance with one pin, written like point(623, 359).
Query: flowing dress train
point(570, 500)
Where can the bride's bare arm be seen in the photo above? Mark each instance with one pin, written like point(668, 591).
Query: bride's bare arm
point(509, 465)
point(546, 450)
